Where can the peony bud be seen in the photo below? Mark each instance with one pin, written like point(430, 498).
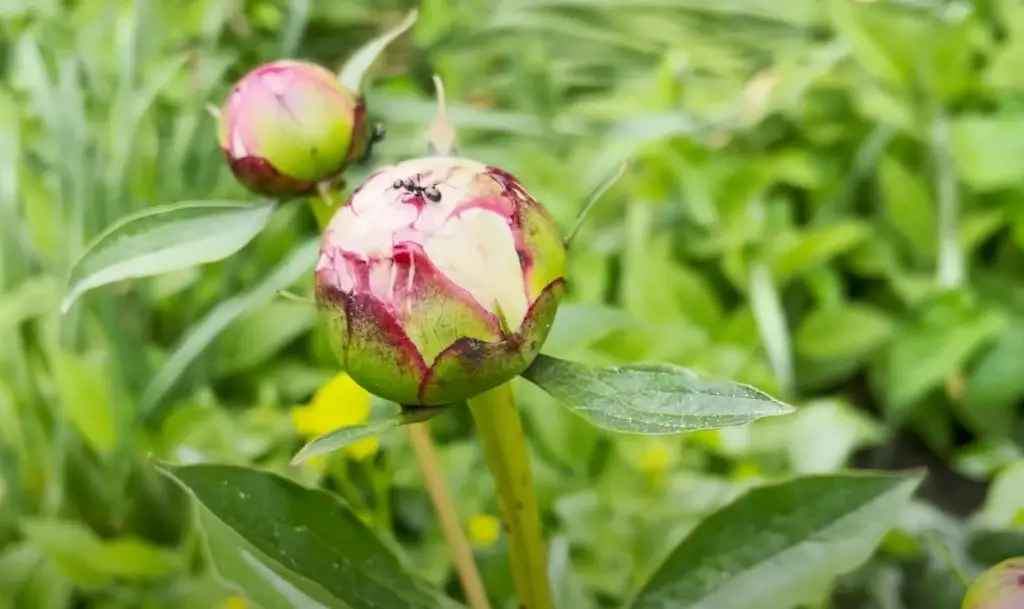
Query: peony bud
point(441, 277)
point(288, 126)
point(1001, 587)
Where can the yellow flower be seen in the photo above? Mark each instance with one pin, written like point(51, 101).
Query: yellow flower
point(235, 602)
point(656, 458)
point(484, 529)
point(340, 402)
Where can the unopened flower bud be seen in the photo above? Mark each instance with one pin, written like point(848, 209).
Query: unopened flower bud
point(441, 277)
point(288, 126)
point(1001, 587)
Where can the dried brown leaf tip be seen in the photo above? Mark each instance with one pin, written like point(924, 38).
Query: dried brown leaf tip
point(441, 132)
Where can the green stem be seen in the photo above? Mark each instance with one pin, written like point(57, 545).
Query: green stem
point(323, 208)
point(501, 433)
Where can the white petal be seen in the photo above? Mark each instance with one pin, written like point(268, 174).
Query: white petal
point(479, 255)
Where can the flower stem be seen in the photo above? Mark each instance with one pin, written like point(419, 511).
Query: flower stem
point(433, 477)
point(501, 433)
point(323, 206)
point(462, 554)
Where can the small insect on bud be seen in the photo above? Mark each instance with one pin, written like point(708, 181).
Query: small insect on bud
point(447, 287)
point(288, 126)
point(1001, 587)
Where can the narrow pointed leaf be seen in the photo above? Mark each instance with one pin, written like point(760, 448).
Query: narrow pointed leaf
point(779, 546)
point(209, 328)
point(165, 239)
point(306, 537)
point(650, 398)
point(355, 69)
point(381, 420)
point(591, 201)
point(299, 298)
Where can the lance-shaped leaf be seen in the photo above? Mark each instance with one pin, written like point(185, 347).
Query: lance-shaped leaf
point(199, 337)
point(165, 239)
point(650, 398)
point(591, 201)
point(354, 71)
point(382, 418)
point(302, 536)
point(779, 546)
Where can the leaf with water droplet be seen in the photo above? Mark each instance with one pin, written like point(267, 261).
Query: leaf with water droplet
point(302, 537)
point(780, 546)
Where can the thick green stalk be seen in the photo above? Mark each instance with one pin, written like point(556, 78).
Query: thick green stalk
point(501, 433)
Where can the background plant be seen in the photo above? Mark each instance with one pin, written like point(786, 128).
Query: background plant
point(823, 204)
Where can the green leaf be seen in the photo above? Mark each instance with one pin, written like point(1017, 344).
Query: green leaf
point(381, 420)
point(1004, 505)
point(354, 71)
point(255, 575)
point(817, 246)
point(850, 331)
point(766, 305)
point(91, 561)
point(779, 546)
point(32, 298)
point(262, 333)
point(579, 325)
point(824, 434)
point(314, 541)
point(83, 390)
point(650, 398)
point(869, 34)
point(164, 239)
point(592, 200)
point(909, 206)
point(987, 149)
point(922, 359)
point(29, 579)
point(996, 385)
point(202, 334)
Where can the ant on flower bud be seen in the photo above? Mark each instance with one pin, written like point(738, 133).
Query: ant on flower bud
point(430, 192)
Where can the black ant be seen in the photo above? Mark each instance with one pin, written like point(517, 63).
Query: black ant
point(430, 192)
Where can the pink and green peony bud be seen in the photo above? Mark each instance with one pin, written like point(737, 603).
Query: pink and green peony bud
point(1001, 587)
point(288, 126)
point(441, 277)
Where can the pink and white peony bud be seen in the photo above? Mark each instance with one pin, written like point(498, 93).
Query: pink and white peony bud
point(441, 277)
point(1001, 587)
point(288, 126)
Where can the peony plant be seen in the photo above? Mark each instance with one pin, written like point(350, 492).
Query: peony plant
point(439, 279)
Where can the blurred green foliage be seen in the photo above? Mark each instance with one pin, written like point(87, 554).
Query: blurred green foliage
point(825, 200)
